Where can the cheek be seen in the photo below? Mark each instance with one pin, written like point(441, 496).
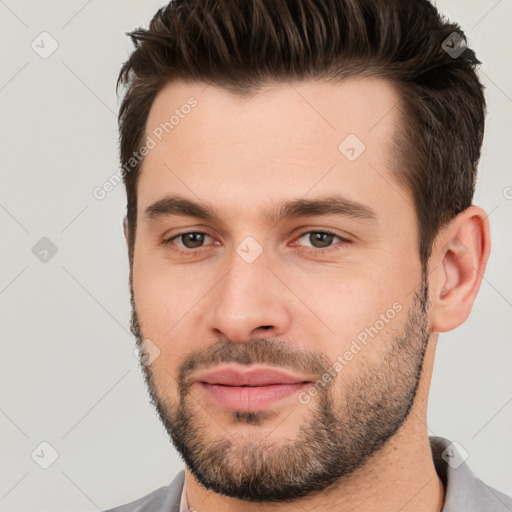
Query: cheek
point(163, 298)
point(351, 313)
point(347, 298)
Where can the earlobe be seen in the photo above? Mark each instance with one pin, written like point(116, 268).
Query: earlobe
point(461, 257)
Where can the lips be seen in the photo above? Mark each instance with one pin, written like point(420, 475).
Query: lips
point(249, 390)
point(252, 377)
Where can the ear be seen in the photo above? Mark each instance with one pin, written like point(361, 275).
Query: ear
point(458, 262)
point(125, 228)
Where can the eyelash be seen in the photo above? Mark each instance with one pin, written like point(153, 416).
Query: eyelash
point(194, 252)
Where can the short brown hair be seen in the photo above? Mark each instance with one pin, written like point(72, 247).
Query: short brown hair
point(242, 45)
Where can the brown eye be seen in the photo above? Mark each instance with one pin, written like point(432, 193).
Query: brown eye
point(320, 239)
point(191, 240)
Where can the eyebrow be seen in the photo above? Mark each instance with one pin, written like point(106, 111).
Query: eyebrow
point(332, 204)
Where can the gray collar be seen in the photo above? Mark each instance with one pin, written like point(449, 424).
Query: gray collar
point(464, 492)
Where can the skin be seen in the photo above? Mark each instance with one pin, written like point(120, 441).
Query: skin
point(241, 157)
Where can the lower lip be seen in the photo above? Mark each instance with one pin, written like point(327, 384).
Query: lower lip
point(250, 398)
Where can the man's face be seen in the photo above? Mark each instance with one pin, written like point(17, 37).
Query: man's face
point(312, 289)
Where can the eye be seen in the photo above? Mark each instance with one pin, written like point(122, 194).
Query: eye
point(321, 240)
point(191, 240)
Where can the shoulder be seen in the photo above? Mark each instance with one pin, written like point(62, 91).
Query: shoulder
point(484, 497)
point(464, 491)
point(164, 499)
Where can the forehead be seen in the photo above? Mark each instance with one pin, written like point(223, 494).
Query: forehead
point(286, 140)
point(357, 105)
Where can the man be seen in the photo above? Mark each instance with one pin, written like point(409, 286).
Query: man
point(300, 229)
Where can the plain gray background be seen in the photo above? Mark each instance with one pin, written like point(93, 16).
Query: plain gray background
point(68, 373)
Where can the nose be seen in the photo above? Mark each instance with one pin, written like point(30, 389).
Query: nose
point(249, 301)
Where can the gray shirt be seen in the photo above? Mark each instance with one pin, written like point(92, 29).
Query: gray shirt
point(464, 492)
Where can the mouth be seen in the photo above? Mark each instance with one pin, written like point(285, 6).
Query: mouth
point(249, 390)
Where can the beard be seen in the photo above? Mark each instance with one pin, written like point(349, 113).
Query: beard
point(348, 423)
